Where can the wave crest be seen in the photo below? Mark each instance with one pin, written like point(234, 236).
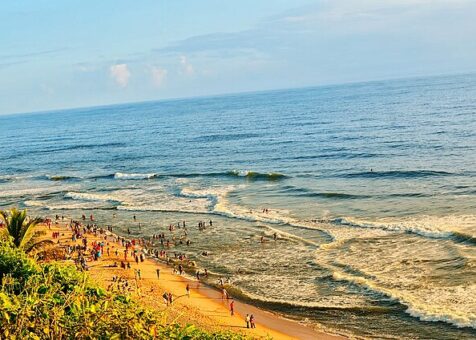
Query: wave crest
point(253, 175)
point(82, 196)
point(121, 175)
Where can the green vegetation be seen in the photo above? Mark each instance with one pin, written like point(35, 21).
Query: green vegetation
point(19, 226)
point(57, 301)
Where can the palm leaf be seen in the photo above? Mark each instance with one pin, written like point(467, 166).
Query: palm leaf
point(18, 226)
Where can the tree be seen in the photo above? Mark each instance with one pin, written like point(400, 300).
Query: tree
point(19, 226)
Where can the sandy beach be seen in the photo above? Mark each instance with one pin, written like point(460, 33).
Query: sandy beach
point(205, 307)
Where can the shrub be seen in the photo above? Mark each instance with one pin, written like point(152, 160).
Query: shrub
point(57, 301)
point(15, 263)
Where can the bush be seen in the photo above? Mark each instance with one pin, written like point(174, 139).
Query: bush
point(57, 301)
point(15, 263)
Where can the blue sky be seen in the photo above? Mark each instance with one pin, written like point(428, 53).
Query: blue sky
point(61, 54)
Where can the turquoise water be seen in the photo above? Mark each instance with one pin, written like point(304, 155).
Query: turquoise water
point(370, 188)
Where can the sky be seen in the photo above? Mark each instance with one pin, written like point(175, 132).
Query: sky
point(61, 54)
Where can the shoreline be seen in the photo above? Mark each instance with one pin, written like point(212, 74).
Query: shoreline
point(205, 306)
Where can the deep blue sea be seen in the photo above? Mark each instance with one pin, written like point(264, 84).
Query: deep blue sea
point(370, 188)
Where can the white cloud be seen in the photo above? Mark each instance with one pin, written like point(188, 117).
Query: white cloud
point(185, 66)
point(340, 10)
point(121, 74)
point(159, 75)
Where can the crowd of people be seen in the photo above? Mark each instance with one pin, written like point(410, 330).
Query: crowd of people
point(135, 250)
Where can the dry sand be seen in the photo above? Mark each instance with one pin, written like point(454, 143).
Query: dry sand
point(204, 308)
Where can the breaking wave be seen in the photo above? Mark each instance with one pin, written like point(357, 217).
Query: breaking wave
point(249, 175)
point(90, 197)
point(120, 175)
point(253, 175)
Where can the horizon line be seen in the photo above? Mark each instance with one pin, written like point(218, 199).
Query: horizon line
point(225, 94)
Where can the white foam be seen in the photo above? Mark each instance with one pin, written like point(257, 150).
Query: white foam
point(431, 305)
point(52, 206)
point(195, 207)
point(428, 226)
point(279, 285)
point(35, 203)
point(120, 175)
point(274, 216)
point(241, 173)
point(455, 305)
point(15, 192)
point(84, 196)
point(157, 199)
point(210, 192)
point(285, 235)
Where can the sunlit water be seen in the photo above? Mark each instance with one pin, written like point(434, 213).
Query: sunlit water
point(370, 187)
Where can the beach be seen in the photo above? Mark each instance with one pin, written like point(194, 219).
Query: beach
point(346, 208)
point(205, 307)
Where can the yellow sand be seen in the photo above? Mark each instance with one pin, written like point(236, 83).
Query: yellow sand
point(204, 308)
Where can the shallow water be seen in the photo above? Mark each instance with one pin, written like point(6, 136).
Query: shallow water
point(369, 186)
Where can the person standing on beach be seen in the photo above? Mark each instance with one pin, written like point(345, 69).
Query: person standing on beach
point(158, 273)
point(171, 299)
point(187, 288)
point(232, 307)
point(247, 319)
point(252, 321)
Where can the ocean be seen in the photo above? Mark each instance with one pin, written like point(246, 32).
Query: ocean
point(369, 187)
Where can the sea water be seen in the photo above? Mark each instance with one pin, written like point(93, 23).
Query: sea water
point(369, 187)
